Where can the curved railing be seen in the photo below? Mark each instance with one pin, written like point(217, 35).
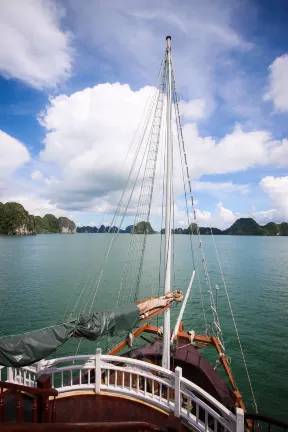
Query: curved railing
point(142, 381)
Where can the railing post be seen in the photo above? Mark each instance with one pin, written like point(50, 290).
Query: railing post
point(240, 420)
point(43, 382)
point(177, 391)
point(98, 370)
point(10, 374)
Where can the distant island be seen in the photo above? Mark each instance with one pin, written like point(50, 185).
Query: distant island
point(140, 228)
point(15, 220)
point(242, 226)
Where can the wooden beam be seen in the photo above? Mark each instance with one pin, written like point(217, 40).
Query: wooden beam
point(181, 334)
point(227, 369)
point(122, 344)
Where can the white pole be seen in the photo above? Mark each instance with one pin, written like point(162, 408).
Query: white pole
point(168, 214)
point(183, 307)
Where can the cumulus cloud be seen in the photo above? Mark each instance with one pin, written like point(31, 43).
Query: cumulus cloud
point(237, 151)
point(89, 132)
point(194, 109)
point(36, 50)
point(277, 189)
point(13, 154)
point(278, 84)
point(133, 33)
point(219, 189)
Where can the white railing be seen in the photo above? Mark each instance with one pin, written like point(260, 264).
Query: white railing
point(138, 379)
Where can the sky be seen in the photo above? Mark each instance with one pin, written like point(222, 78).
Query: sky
point(75, 78)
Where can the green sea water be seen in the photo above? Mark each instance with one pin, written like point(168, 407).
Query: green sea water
point(41, 275)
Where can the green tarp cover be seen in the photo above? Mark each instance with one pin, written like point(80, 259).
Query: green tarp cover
point(108, 322)
point(28, 348)
point(23, 350)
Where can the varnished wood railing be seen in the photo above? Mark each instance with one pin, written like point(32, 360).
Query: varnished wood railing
point(40, 406)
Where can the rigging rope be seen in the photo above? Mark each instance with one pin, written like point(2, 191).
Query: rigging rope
point(115, 233)
point(184, 165)
point(234, 322)
point(148, 107)
point(135, 256)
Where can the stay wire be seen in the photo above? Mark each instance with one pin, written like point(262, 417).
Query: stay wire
point(234, 322)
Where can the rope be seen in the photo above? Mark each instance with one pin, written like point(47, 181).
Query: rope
point(234, 322)
point(135, 256)
point(115, 234)
point(183, 158)
point(149, 106)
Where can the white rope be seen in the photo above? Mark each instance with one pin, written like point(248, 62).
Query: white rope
point(206, 272)
point(234, 322)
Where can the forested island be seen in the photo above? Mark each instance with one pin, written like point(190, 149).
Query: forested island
point(140, 228)
point(242, 226)
point(15, 220)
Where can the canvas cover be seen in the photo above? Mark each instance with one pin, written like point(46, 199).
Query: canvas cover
point(28, 348)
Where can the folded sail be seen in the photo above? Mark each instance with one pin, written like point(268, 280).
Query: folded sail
point(28, 348)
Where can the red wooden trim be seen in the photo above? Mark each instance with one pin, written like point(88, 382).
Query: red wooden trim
point(54, 411)
point(34, 409)
point(1, 404)
point(27, 389)
point(109, 426)
point(45, 410)
point(19, 406)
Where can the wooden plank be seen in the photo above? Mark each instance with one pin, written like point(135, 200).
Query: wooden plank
point(122, 344)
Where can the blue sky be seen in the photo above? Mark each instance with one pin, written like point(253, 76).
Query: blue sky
point(66, 125)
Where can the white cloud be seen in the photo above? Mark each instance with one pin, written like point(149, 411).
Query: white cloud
point(226, 215)
point(237, 151)
point(277, 189)
point(89, 132)
point(37, 176)
point(278, 84)
point(222, 217)
point(133, 34)
point(193, 109)
point(88, 136)
point(35, 50)
point(13, 154)
point(218, 189)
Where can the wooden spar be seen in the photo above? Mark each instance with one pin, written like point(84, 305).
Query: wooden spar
point(182, 309)
point(181, 334)
point(227, 369)
point(122, 344)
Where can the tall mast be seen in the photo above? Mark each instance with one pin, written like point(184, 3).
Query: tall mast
point(168, 214)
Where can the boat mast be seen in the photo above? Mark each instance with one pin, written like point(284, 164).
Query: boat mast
point(168, 214)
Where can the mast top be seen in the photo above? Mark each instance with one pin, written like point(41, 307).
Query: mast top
point(168, 39)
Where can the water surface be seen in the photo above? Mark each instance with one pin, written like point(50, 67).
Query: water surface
point(42, 276)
